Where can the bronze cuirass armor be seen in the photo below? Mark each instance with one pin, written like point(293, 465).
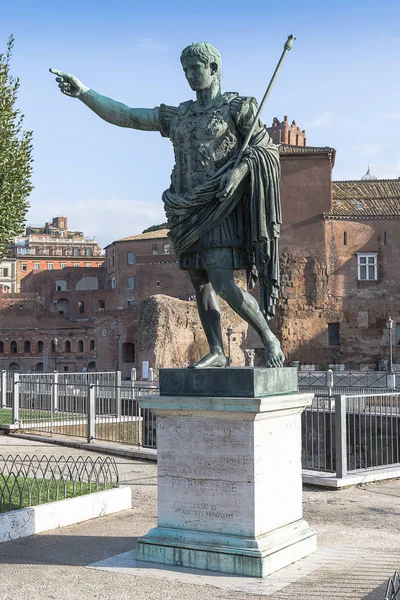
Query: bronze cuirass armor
point(204, 140)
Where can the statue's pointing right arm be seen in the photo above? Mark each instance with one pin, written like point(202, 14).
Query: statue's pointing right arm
point(110, 110)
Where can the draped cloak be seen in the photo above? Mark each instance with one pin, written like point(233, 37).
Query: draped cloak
point(193, 214)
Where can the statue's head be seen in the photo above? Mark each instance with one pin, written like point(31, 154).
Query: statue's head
point(202, 65)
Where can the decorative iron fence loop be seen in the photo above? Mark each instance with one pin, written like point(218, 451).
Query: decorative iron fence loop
point(30, 480)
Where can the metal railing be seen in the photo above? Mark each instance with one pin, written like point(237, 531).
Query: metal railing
point(348, 433)
point(95, 409)
point(31, 480)
point(393, 587)
point(345, 379)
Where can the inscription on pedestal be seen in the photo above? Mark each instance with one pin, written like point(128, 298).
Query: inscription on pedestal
point(210, 490)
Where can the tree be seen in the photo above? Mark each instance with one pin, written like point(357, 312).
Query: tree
point(156, 227)
point(15, 156)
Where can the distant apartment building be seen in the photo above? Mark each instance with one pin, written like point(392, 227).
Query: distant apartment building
point(53, 246)
point(8, 276)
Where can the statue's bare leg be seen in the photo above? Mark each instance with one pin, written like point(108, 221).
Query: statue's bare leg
point(247, 307)
point(210, 316)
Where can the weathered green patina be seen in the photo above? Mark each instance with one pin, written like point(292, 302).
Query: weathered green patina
point(222, 215)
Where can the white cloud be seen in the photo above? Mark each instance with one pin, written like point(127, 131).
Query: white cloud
point(151, 44)
point(369, 149)
point(325, 119)
point(107, 220)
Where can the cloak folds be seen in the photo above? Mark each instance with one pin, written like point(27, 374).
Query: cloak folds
point(191, 216)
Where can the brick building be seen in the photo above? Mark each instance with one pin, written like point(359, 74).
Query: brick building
point(53, 246)
point(339, 254)
point(142, 265)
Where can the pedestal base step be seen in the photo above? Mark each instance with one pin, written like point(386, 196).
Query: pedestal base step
point(249, 557)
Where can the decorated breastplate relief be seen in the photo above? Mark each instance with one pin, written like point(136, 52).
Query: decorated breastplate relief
point(204, 140)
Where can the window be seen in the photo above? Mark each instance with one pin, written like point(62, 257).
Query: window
point(385, 238)
point(65, 369)
point(4, 272)
point(88, 264)
point(37, 267)
point(131, 283)
point(102, 304)
point(67, 346)
point(24, 267)
point(167, 248)
point(61, 285)
point(92, 345)
point(63, 265)
point(1, 347)
point(131, 258)
point(50, 266)
point(131, 302)
point(333, 334)
point(113, 260)
point(76, 264)
point(154, 249)
point(158, 284)
point(76, 251)
point(27, 347)
point(13, 347)
point(40, 346)
point(398, 334)
point(128, 352)
point(89, 252)
point(80, 346)
point(345, 238)
point(113, 283)
point(81, 307)
point(91, 366)
point(367, 267)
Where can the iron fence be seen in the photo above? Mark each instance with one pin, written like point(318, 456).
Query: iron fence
point(345, 379)
point(348, 432)
point(88, 407)
point(31, 480)
point(393, 587)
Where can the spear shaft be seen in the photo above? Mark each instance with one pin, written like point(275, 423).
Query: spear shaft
point(286, 48)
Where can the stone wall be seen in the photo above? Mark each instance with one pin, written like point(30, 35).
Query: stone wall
point(170, 333)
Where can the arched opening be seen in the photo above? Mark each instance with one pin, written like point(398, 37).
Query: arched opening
point(88, 283)
point(80, 346)
point(14, 367)
point(67, 346)
point(91, 366)
point(13, 347)
point(128, 352)
point(39, 366)
point(27, 346)
point(62, 306)
point(1, 347)
point(40, 346)
point(92, 345)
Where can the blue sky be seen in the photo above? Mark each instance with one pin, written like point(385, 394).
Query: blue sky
point(340, 82)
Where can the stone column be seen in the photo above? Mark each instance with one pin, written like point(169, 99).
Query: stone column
point(229, 471)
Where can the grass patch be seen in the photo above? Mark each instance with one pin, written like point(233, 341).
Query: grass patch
point(22, 492)
point(5, 416)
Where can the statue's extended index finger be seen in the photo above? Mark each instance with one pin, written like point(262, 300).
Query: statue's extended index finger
point(57, 72)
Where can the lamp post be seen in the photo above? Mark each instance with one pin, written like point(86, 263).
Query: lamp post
point(229, 332)
point(391, 383)
point(117, 338)
point(55, 353)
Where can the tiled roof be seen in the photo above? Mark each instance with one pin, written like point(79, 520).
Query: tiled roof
point(289, 149)
point(380, 198)
point(150, 235)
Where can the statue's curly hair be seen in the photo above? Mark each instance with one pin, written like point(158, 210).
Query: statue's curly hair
point(205, 52)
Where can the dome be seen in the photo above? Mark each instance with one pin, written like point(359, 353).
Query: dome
point(368, 176)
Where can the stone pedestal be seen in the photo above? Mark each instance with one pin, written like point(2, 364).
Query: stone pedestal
point(229, 471)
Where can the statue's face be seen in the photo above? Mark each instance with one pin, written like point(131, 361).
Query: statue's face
point(199, 75)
